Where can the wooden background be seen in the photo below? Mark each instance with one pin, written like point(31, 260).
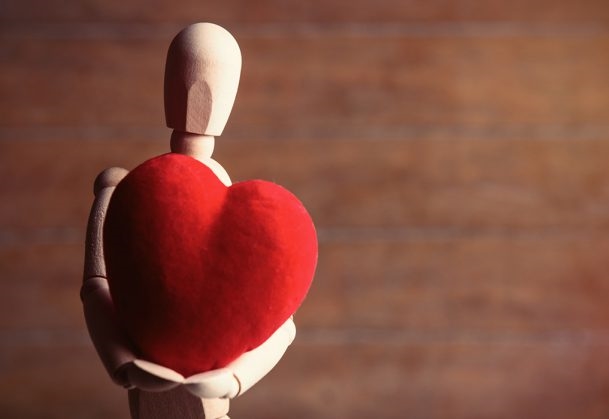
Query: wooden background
point(455, 157)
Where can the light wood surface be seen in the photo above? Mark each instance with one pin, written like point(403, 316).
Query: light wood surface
point(175, 403)
point(452, 154)
point(201, 77)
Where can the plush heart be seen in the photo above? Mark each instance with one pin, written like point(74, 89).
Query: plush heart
point(200, 273)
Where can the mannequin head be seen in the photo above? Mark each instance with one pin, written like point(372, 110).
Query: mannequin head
point(201, 79)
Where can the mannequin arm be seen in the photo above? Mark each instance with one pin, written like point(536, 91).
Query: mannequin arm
point(252, 366)
point(228, 382)
point(111, 344)
point(246, 370)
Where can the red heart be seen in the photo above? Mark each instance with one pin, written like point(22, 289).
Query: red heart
point(200, 273)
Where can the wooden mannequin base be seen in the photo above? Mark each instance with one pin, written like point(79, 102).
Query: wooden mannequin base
point(175, 403)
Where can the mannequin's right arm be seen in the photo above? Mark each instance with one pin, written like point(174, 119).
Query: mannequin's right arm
point(113, 347)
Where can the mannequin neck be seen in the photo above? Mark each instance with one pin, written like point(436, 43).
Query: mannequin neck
point(198, 146)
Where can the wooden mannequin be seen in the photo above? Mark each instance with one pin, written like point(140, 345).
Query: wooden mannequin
point(201, 80)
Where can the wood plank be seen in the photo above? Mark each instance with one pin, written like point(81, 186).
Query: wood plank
point(479, 329)
point(325, 87)
point(463, 186)
point(426, 186)
point(47, 83)
point(457, 381)
point(238, 11)
point(41, 285)
point(456, 172)
point(480, 288)
point(504, 289)
point(51, 182)
point(57, 380)
point(462, 381)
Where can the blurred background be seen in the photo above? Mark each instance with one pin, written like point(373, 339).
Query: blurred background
point(453, 153)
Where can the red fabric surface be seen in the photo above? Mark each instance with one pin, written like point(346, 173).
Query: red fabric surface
point(201, 273)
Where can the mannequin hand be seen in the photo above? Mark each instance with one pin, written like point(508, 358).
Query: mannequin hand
point(227, 382)
point(152, 377)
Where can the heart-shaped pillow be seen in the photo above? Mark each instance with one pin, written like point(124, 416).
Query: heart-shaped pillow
point(200, 273)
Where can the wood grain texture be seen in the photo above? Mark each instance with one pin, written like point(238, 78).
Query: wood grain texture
point(57, 379)
point(401, 86)
point(387, 187)
point(273, 11)
point(482, 287)
point(459, 380)
point(41, 286)
point(452, 153)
